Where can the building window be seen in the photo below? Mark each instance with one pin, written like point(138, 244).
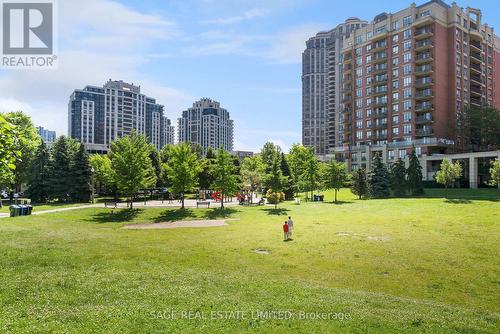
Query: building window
point(395, 119)
point(395, 49)
point(407, 45)
point(407, 21)
point(402, 154)
point(407, 105)
point(368, 123)
point(407, 116)
point(407, 34)
point(407, 57)
point(395, 25)
point(395, 84)
point(395, 73)
point(407, 129)
point(395, 61)
point(395, 96)
point(359, 134)
point(395, 131)
point(395, 38)
point(359, 124)
point(406, 81)
point(407, 69)
point(407, 93)
point(391, 154)
point(368, 47)
point(395, 108)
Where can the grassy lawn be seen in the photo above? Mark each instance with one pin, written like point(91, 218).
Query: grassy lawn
point(390, 266)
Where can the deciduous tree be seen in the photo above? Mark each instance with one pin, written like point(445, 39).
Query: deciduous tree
point(335, 175)
point(224, 173)
point(448, 174)
point(495, 173)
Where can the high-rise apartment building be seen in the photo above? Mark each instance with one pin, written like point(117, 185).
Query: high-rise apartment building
point(99, 115)
point(409, 76)
point(48, 136)
point(207, 124)
point(322, 87)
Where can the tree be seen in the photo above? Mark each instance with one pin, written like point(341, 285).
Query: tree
point(39, 174)
point(448, 173)
point(495, 173)
point(252, 174)
point(380, 181)
point(268, 153)
point(296, 159)
point(310, 179)
point(131, 166)
point(206, 177)
point(183, 169)
point(9, 152)
point(60, 182)
point(224, 173)
point(26, 143)
point(335, 175)
point(154, 156)
point(285, 169)
point(414, 176)
point(102, 172)
point(82, 188)
point(479, 129)
point(274, 180)
point(359, 183)
point(398, 178)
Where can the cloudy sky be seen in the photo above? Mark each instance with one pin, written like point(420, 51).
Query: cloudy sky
point(245, 54)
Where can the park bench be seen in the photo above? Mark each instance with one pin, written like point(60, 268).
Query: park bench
point(110, 204)
point(207, 203)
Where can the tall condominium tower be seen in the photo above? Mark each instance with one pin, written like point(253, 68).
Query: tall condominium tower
point(207, 124)
point(409, 76)
point(99, 115)
point(322, 87)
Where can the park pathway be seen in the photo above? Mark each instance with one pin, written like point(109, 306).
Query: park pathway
point(189, 203)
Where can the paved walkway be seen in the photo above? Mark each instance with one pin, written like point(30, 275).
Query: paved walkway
point(188, 203)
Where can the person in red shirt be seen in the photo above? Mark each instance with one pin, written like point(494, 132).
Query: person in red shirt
point(285, 231)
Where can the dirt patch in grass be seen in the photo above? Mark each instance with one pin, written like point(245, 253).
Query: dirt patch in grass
point(261, 251)
point(176, 224)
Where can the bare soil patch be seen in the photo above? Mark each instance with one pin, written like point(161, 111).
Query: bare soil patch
point(176, 224)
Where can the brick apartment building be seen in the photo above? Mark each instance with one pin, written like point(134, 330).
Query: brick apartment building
point(407, 78)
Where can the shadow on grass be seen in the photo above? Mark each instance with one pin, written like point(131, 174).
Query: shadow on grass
point(174, 215)
point(458, 201)
point(219, 213)
point(481, 194)
point(276, 212)
point(116, 216)
point(339, 202)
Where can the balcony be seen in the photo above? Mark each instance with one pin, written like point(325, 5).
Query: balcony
point(347, 100)
point(379, 113)
point(424, 82)
point(425, 94)
point(424, 45)
point(377, 79)
point(378, 46)
point(426, 119)
point(379, 126)
point(422, 58)
point(380, 90)
point(424, 132)
point(379, 58)
point(476, 79)
point(424, 33)
point(380, 136)
point(347, 78)
point(476, 68)
point(476, 57)
point(475, 45)
point(423, 69)
point(424, 107)
point(379, 68)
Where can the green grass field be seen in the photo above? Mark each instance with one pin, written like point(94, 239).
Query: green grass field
point(388, 266)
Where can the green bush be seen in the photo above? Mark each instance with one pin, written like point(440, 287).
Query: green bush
point(274, 197)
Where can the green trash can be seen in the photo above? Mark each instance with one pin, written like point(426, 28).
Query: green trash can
point(14, 210)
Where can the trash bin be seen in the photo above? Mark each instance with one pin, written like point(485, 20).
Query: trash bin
point(23, 210)
point(321, 198)
point(30, 209)
point(14, 210)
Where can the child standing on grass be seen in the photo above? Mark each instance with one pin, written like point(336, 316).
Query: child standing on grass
point(285, 231)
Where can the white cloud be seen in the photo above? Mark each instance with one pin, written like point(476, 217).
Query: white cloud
point(288, 46)
point(248, 15)
point(105, 40)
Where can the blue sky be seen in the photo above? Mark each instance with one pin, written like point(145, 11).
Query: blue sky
point(245, 54)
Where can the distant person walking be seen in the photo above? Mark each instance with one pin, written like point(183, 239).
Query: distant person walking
point(290, 227)
point(285, 231)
